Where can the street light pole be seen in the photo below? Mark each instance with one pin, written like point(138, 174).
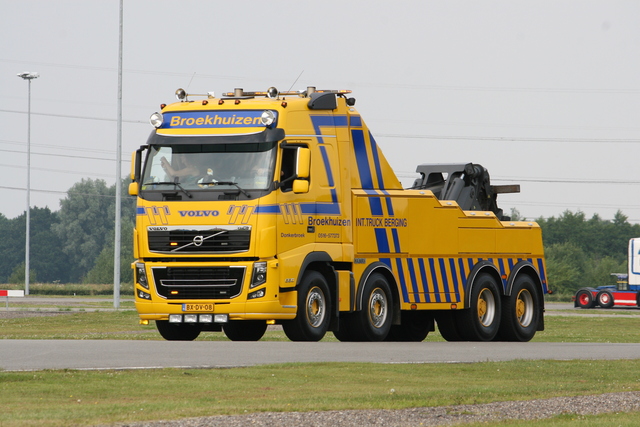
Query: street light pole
point(118, 224)
point(28, 76)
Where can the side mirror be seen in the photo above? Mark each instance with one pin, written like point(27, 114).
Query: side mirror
point(132, 174)
point(303, 163)
point(133, 189)
point(300, 186)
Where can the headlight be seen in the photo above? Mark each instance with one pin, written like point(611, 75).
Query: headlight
point(268, 118)
point(156, 120)
point(259, 275)
point(141, 276)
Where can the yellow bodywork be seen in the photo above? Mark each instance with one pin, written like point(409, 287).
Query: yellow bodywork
point(355, 214)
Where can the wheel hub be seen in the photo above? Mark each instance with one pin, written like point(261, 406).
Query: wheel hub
point(315, 307)
point(378, 308)
point(486, 307)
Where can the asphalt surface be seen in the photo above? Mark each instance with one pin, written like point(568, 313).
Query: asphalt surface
point(17, 355)
point(125, 354)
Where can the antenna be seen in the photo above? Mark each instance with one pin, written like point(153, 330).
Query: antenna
point(295, 81)
point(192, 76)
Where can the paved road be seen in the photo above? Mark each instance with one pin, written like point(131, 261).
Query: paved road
point(115, 354)
point(125, 354)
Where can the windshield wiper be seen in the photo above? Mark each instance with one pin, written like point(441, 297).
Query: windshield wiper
point(227, 183)
point(175, 184)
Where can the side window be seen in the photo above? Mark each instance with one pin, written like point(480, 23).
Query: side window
point(288, 170)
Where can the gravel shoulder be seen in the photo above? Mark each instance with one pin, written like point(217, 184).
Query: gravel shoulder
point(428, 416)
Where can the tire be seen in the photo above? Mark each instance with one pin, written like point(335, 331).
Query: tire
point(604, 299)
point(447, 325)
point(481, 321)
point(584, 299)
point(177, 331)
point(345, 331)
point(521, 311)
point(245, 330)
point(314, 310)
point(414, 327)
point(373, 322)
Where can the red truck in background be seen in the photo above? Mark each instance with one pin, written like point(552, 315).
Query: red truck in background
point(626, 291)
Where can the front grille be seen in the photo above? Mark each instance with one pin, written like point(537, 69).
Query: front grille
point(198, 282)
point(213, 240)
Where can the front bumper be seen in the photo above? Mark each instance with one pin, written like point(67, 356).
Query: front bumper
point(167, 293)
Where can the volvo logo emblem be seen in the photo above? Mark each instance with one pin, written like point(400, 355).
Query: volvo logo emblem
point(198, 240)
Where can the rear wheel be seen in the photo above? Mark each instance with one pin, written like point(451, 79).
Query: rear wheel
point(245, 330)
point(345, 331)
point(177, 331)
point(447, 325)
point(520, 311)
point(584, 299)
point(373, 322)
point(604, 299)
point(314, 310)
point(415, 326)
point(481, 321)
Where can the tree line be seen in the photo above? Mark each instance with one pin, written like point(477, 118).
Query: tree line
point(75, 244)
point(583, 251)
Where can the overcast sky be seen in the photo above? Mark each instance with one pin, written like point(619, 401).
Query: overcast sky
point(542, 93)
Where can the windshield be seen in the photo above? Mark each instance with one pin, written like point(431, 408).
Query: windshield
point(209, 166)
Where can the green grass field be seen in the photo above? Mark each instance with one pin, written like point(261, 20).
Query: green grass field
point(71, 397)
point(124, 324)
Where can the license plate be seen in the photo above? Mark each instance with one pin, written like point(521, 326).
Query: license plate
point(198, 307)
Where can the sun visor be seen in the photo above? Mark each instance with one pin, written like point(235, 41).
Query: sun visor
point(267, 135)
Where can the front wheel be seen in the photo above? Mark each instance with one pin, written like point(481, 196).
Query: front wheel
point(177, 331)
point(481, 321)
point(521, 311)
point(314, 310)
point(245, 330)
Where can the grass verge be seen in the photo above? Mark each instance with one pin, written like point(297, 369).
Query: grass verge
point(125, 325)
point(57, 398)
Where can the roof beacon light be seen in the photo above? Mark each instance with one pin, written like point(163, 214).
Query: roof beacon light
point(268, 118)
point(156, 120)
point(181, 94)
point(272, 92)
